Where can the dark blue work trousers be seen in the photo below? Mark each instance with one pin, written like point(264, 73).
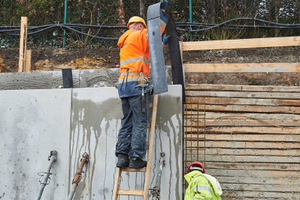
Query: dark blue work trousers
point(132, 135)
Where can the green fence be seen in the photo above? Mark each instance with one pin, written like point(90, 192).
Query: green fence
point(281, 18)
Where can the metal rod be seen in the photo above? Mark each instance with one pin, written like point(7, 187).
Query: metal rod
point(77, 177)
point(156, 189)
point(72, 192)
point(65, 21)
point(191, 18)
point(52, 159)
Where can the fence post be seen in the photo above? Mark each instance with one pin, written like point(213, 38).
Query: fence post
point(65, 21)
point(191, 17)
point(28, 61)
point(23, 43)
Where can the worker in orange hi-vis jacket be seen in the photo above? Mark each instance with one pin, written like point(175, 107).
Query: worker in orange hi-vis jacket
point(134, 91)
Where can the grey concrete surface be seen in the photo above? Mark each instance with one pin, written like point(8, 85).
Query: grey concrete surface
point(53, 79)
point(96, 119)
point(74, 121)
point(33, 123)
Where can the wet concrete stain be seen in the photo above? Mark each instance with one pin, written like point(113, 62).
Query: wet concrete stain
point(166, 123)
point(88, 119)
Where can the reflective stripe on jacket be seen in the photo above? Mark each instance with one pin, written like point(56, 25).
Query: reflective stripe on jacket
point(200, 187)
point(135, 56)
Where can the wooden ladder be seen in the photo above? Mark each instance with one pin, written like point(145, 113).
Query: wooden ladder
point(146, 169)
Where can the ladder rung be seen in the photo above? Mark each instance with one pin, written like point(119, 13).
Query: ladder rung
point(127, 169)
point(131, 192)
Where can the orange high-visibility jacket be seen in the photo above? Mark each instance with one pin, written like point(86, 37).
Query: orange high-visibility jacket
point(134, 53)
point(135, 56)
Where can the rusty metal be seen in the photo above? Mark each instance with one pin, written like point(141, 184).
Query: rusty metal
point(83, 160)
point(77, 177)
point(194, 134)
point(45, 176)
point(156, 190)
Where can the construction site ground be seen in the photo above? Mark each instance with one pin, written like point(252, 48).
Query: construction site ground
point(49, 59)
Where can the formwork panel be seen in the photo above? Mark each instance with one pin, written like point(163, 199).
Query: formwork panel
point(96, 120)
point(33, 123)
point(247, 137)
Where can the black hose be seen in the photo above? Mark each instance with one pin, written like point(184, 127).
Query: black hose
point(9, 30)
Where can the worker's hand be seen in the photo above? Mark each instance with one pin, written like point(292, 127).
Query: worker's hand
point(166, 39)
point(164, 4)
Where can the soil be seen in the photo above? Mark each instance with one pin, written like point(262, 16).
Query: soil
point(48, 59)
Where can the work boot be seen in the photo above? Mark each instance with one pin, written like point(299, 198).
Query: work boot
point(123, 161)
point(137, 163)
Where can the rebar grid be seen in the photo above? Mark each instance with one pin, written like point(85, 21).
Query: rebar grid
point(194, 135)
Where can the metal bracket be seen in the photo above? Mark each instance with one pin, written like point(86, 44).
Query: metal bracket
point(52, 153)
point(41, 178)
point(158, 70)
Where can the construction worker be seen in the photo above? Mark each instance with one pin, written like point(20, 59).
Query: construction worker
point(201, 186)
point(134, 69)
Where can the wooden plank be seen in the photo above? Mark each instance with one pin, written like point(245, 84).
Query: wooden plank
point(259, 195)
point(127, 169)
point(244, 137)
point(1, 61)
point(241, 43)
point(180, 46)
point(244, 88)
point(239, 101)
point(247, 159)
point(247, 130)
point(23, 43)
point(241, 67)
point(254, 173)
point(251, 166)
point(253, 95)
point(150, 151)
point(264, 188)
point(256, 180)
point(241, 122)
point(246, 109)
point(131, 192)
point(117, 184)
point(205, 154)
point(223, 116)
point(28, 61)
point(243, 144)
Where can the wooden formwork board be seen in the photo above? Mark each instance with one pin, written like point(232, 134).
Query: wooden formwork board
point(246, 88)
point(250, 152)
point(239, 101)
point(240, 44)
point(243, 122)
point(251, 95)
point(240, 115)
point(247, 137)
point(241, 67)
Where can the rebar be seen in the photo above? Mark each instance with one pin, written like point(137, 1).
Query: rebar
point(156, 189)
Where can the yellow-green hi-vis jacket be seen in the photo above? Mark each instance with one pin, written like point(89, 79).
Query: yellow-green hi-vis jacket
point(202, 187)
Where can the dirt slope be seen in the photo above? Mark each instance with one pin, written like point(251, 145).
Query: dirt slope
point(56, 59)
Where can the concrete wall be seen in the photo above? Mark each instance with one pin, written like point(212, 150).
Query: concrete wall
point(53, 79)
point(74, 121)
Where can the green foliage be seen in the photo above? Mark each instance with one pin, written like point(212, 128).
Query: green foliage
point(118, 12)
